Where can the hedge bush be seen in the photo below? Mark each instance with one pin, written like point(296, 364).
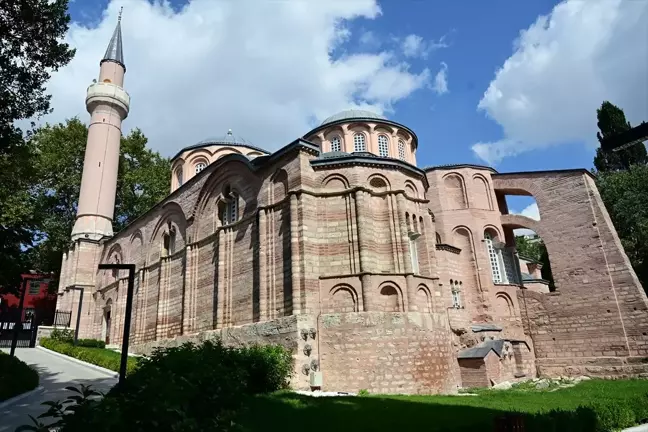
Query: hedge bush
point(91, 343)
point(98, 356)
point(187, 388)
point(16, 377)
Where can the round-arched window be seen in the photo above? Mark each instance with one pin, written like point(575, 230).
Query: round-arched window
point(179, 176)
point(336, 144)
point(200, 166)
point(383, 146)
point(401, 149)
point(359, 143)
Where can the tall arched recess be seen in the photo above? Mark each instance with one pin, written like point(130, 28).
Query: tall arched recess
point(481, 193)
point(455, 191)
point(462, 238)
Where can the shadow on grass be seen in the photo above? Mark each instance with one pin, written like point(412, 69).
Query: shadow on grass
point(289, 411)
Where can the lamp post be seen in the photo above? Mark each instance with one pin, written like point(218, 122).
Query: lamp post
point(78, 320)
point(16, 329)
point(127, 317)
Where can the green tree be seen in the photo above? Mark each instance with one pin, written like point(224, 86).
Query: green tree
point(143, 180)
point(31, 48)
point(625, 194)
point(612, 121)
point(536, 250)
point(622, 180)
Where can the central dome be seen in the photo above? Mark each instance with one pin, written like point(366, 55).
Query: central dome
point(353, 114)
point(229, 138)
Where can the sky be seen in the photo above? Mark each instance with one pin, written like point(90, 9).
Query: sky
point(510, 84)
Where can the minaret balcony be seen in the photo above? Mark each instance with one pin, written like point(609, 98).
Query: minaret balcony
point(108, 93)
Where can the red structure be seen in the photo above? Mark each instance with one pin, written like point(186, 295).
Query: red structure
point(38, 299)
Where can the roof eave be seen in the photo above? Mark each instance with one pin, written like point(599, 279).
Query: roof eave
point(363, 119)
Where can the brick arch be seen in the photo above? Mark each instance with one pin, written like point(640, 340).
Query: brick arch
point(495, 232)
point(335, 181)
point(504, 305)
point(197, 153)
point(172, 213)
point(136, 249)
point(235, 170)
point(481, 192)
point(374, 182)
point(455, 189)
point(227, 150)
point(423, 299)
point(279, 185)
point(391, 297)
point(411, 189)
point(343, 298)
point(114, 250)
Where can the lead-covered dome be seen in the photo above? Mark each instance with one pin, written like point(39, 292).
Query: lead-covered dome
point(353, 114)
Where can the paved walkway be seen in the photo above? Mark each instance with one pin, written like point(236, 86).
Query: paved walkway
point(55, 373)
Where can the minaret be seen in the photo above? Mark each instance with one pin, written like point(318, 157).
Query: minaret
point(108, 105)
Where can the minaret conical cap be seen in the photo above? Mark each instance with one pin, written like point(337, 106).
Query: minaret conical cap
point(115, 52)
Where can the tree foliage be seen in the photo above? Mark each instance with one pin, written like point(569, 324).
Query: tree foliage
point(143, 180)
point(612, 121)
point(625, 194)
point(536, 250)
point(622, 180)
point(31, 48)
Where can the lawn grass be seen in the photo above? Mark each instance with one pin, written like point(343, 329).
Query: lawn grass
point(16, 377)
point(610, 404)
point(103, 357)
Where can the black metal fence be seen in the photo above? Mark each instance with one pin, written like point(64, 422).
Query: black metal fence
point(26, 333)
point(62, 318)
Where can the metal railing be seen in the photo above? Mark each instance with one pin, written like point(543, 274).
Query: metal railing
point(62, 318)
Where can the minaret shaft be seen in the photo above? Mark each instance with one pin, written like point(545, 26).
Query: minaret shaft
point(108, 105)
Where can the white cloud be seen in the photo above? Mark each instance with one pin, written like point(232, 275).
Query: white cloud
point(530, 211)
point(440, 85)
point(369, 39)
point(263, 69)
point(564, 66)
point(415, 46)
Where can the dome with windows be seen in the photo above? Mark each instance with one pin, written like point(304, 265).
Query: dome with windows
point(360, 133)
point(353, 114)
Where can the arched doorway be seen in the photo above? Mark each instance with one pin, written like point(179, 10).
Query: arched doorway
point(107, 322)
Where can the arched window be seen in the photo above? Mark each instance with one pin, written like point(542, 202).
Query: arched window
point(359, 143)
point(200, 166)
point(229, 211)
point(493, 257)
point(179, 176)
point(401, 150)
point(413, 244)
point(456, 294)
point(336, 144)
point(383, 146)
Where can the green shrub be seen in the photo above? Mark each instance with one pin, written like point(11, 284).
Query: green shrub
point(65, 335)
point(91, 343)
point(16, 377)
point(101, 357)
point(187, 388)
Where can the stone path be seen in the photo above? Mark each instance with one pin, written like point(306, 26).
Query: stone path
point(55, 373)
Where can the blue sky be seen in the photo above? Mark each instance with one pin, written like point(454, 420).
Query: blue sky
point(264, 69)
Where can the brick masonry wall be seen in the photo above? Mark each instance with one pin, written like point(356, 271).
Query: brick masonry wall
point(473, 373)
point(597, 321)
point(387, 353)
point(336, 239)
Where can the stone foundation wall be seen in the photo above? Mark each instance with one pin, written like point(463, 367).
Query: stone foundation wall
point(387, 353)
point(286, 332)
point(607, 367)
